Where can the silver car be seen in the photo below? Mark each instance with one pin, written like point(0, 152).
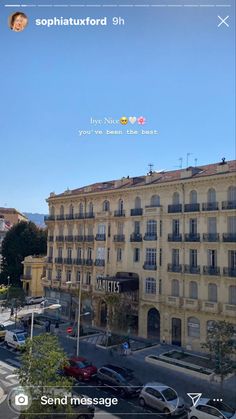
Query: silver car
point(163, 398)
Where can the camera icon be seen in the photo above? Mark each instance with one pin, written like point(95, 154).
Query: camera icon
point(21, 399)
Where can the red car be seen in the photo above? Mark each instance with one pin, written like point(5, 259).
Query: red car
point(80, 368)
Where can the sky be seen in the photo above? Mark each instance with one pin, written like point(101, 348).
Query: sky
point(172, 65)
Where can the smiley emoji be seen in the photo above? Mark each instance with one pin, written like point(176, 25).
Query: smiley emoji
point(124, 120)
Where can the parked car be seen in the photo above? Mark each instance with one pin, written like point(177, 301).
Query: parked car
point(125, 385)
point(125, 372)
point(163, 398)
point(15, 338)
point(2, 331)
point(207, 409)
point(47, 302)
point(80, 368)
point(34, 300)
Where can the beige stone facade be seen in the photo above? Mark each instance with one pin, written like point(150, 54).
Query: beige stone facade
point(172, 233)
point(34, 268)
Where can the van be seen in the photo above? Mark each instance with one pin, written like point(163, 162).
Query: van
point(15, 338)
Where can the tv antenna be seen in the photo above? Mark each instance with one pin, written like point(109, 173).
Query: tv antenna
point(150, 168)
point(187, 157)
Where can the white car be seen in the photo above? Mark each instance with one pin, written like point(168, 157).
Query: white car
point(210, 409)
point(34, 300)
point(163, 398)
point(15, 338)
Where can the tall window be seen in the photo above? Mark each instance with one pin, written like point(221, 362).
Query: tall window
point(79, 253)
point(106, 206)
point(58, 274)
point(61, 210)
point(212, 258)
point(155, 201)
point(78, 276)
point(193, 327)
point(212, 293)
point(101, 253)
point(232, 193)
point(71, 210)
point(81, 209)
point(232, 294)
point(231, 224)
point(193, 197)
point(101, 229)
point(175, 287)
point(137, 227)
point(193, 226)
point(211, 196)
point(160, 257)
point(150, 286)
point(151, 256)
point(120, 228)
point(60, 250)
point(89, 253)
point(90, 208)
point(175, 198)
point(70, 230)
point(160, 228)
point(211, 225)
point(121, 205)
point(175, 257)
point(118, 254)
point(232, 259)
point(69, 252)
point(151, 227)
point(108, 254)
point(90, 230)
point(52, 210)
point(49, 274)
point(175, 227)
point(160, 286)
point(136, 254)
point(88, 278)
point(137, 202)
point(50, 252)
point(68, 275)
point(193, 290)
point(193, 257)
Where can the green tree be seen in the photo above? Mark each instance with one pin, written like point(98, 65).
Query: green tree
point(23, 239)
point(38, 375)
point(15, 298)
point(221, 346)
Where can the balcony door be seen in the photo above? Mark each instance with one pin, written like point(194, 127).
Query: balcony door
point(176, 331)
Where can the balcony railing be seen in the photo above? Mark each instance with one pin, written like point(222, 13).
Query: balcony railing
point(26, 277)
point(79, 261)
point(79, 216)
point(227, 205)
point(191, 207)
point(210, 206)
point(79, 238)
point(69, 238)
point(229, 237)
point(136, 211)
point(60, 217)
point(89, 215)
point(89, 262)
point(153, 206)
point(136, 237)
point(174, 208)
point(211, 270)
point(49, 218)
point(59, 260)
point(89, 238)
point(99, 262)
point(174, 268)
point(68, 261)
point(229, 272)
point(188, 269)
point(149, 266)
point(119, 213)
point(100, 237)
point(49, 259)
point(174, 237)
point(119, 238)
point(150, 236)
point(50, 238)
point(211, 237)
point(69, 217)
point(191, 237)
point(59, 238)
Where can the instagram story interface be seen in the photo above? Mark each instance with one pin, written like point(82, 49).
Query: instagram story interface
point(118, 209)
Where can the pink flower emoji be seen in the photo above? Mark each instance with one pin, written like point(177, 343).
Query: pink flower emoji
point(141, 120)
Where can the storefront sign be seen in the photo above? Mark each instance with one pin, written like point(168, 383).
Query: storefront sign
point(112, 287)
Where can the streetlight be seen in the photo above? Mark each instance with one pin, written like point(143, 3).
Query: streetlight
point(51, 307)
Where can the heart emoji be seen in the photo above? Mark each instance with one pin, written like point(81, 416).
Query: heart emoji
point(132, 119)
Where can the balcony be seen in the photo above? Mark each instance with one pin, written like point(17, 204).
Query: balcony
point(26, 277)
point(60, 217)
point(99, 262)
point(210, 206)
point(49, 218)
point(228, 205)
point(191, 207)
point(191, 304)
point(211, 237)
point(188, 269)
point(192, 237)
point(173, 208)
point(174, 237)
point(229, 310)
point(136, 237)
point(119, 238)
point(149, 266)
point(211, 270)
point(171, 267)
point(210, 307)
point(229, 272)
point(100, 237)
point(59, 238)
point(150, 236)
point(79, 216)
point(79, 238)
point(50, 238)
point(79, 261)
point(119, 213)
point(69, 238)
point(68, 261)
point(173, 301)
point(49, 259)
point(89, 262)
point(89, 238)
point(59, 260)
point(89, 215)
point(69, 217)
point(229, 237)
point(136, 211)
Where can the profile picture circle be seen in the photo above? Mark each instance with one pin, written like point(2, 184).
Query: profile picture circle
point(17, 21)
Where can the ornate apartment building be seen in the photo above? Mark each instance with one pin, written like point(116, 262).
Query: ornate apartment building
point(156, 252)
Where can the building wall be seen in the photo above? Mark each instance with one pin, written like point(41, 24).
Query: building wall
point(34, 267)
point(65, 227)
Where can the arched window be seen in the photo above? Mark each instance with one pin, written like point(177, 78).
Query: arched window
point(151, 227)
point(90, 208)
point(175, 288)
point(120, 205)
point(193, 197)
point(71, 210)
point(232, 294)
point(193, 327)
point(106, 206)
point(211, 196)
point(232, 193)
point(175, 198)
point(212, 293)
point(137, 202)
point(52, 210)
point(193, 290)
point(81, 208)
point(150, 286)
point(155, 201)
point(61, 210)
